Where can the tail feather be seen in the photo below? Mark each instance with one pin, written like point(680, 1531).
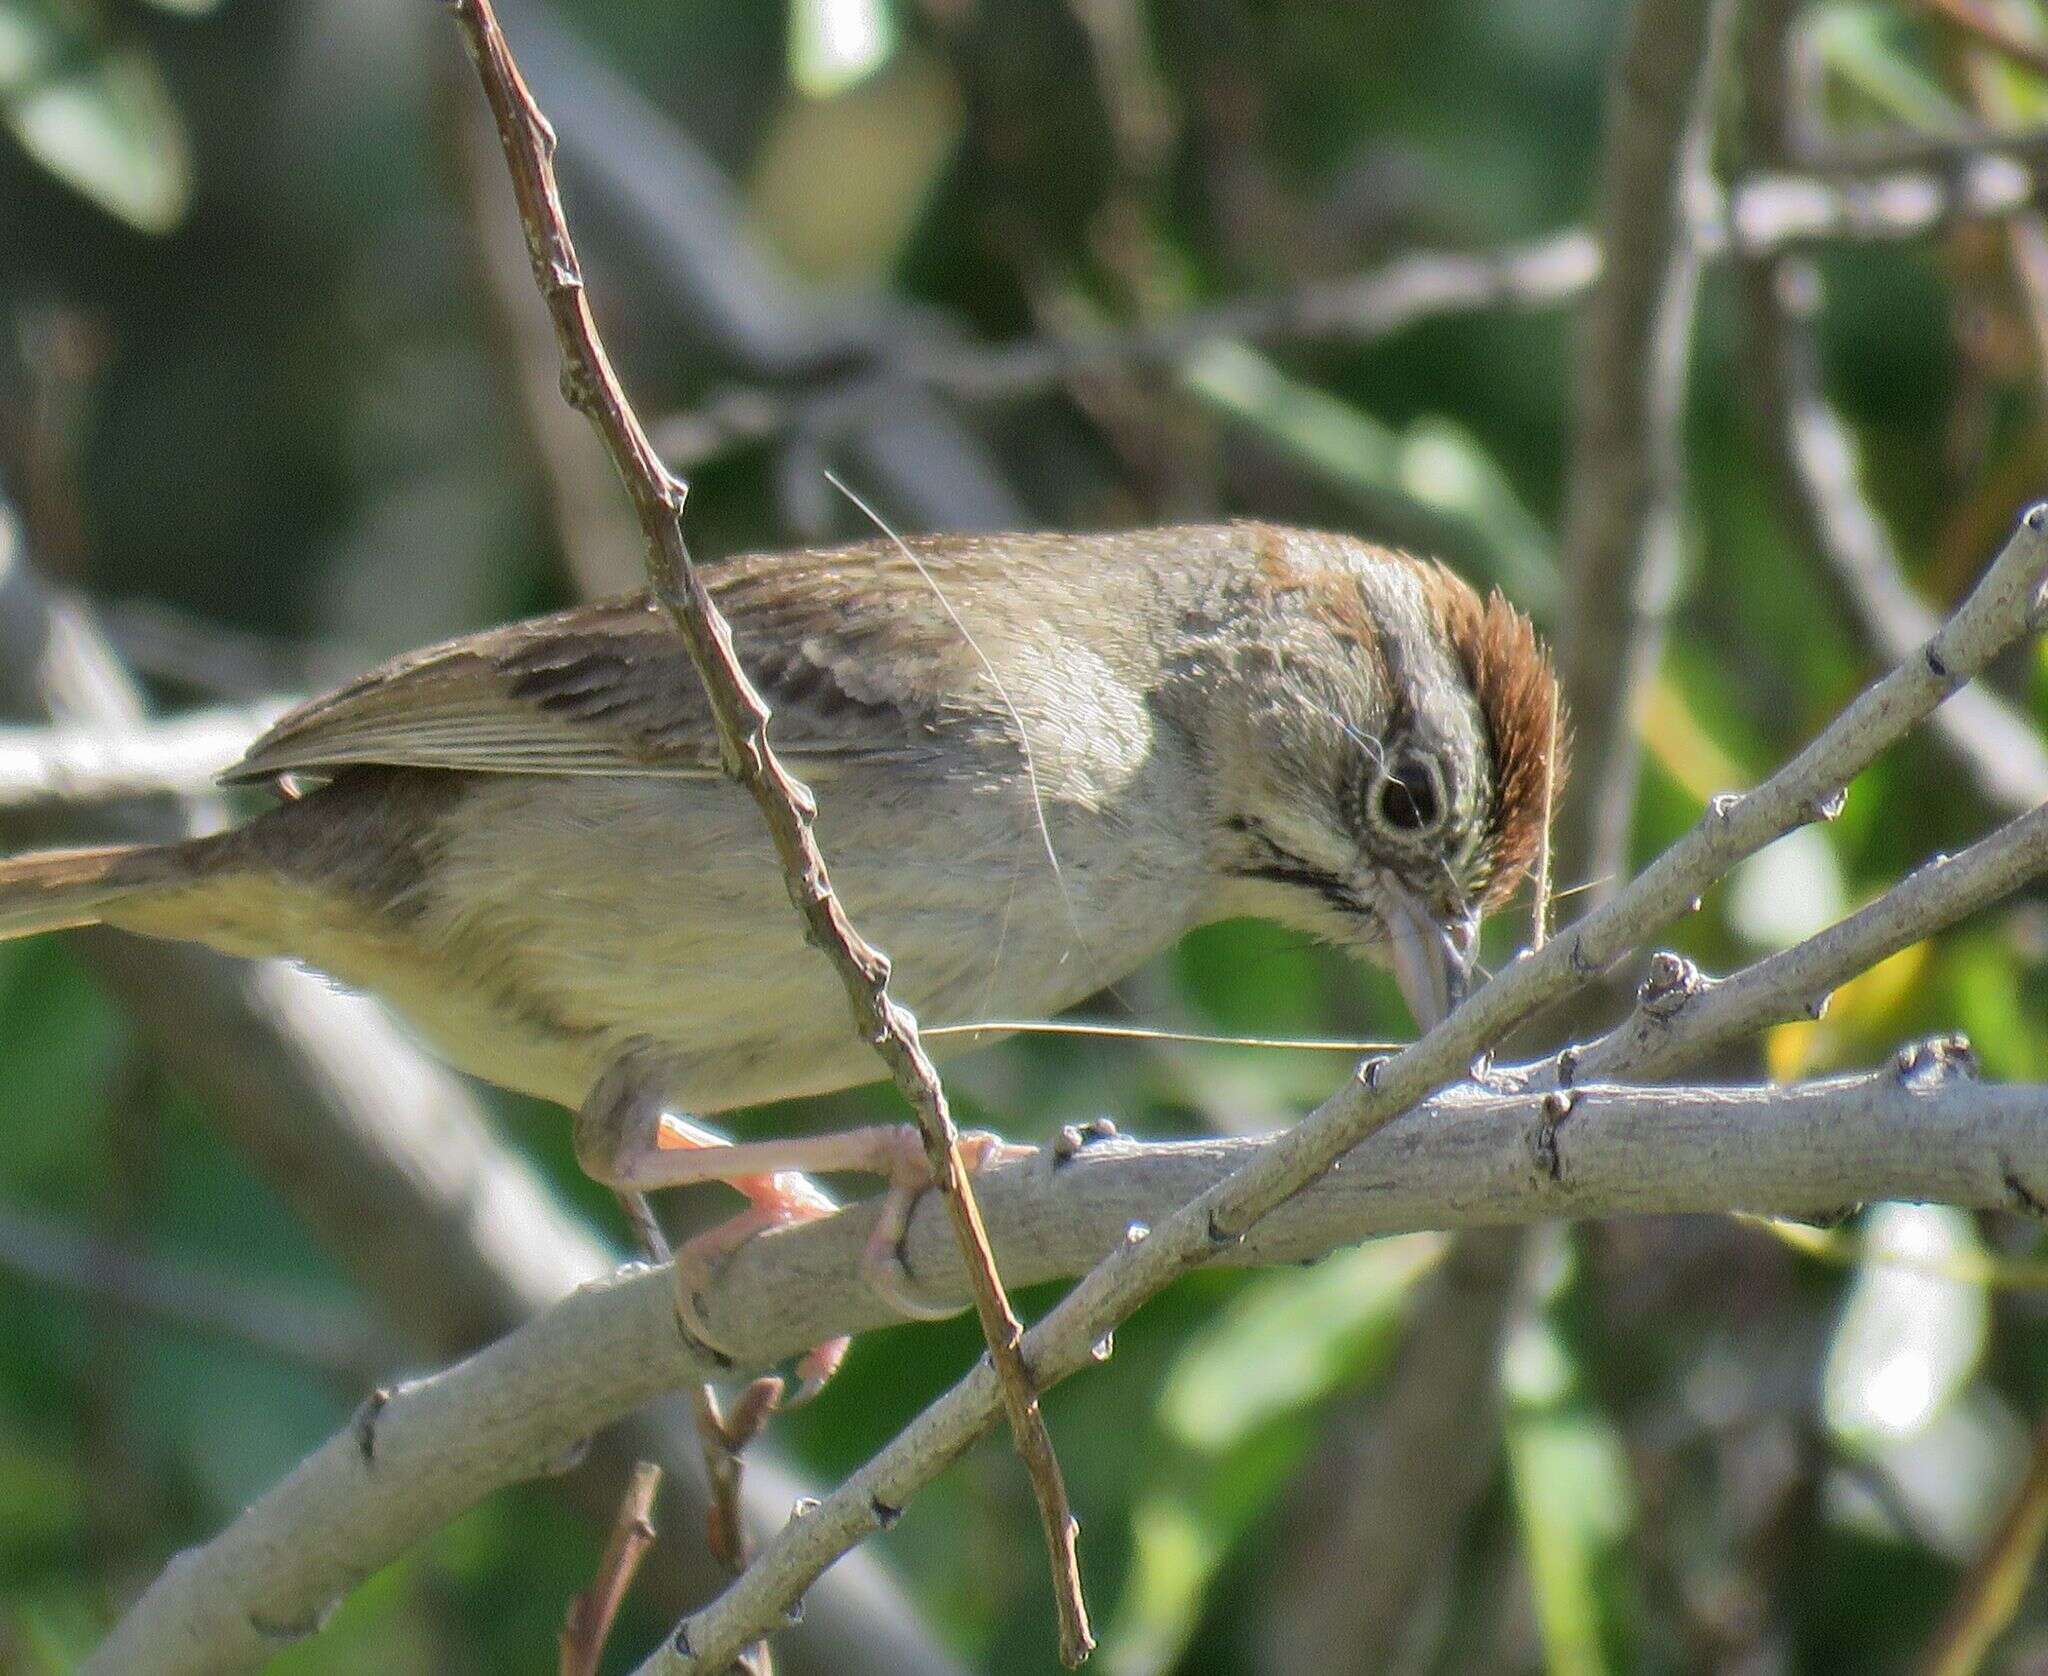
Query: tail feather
point(56, 889)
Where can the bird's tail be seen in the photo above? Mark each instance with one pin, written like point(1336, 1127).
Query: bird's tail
point(54, 889)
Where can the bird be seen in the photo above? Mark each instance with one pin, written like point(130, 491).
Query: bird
point(1037, 759)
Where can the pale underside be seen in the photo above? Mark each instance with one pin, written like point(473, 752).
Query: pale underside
point(598, 889)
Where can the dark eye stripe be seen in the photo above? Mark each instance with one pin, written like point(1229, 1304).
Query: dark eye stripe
point(1284, 867)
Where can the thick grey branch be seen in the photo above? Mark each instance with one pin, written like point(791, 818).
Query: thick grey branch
point(89, 763)
point(1467, 1159)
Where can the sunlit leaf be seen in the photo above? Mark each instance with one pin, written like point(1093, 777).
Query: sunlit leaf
point(1444, 466)
point(1857, 42)
point(1856, 1016)
point(838, 184)
point(97, 116)
point(1173, 1556)
point(1788, 890)
point(1683, 748)
point(1943, 1486)
point(836, 44)
point(1283, 1342)
point(1572, 1497)
point(42, 1496)
point(1435, 464)
point(63, 1042)
point(1983, 981)
point(1287, 1339)
point(1909, 1338)
point(55, 1625)
point(2000, 1271)
point(1571, 1494)
point(1570, 1481)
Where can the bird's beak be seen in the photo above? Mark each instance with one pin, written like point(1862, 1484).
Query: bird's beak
point(1432, 961)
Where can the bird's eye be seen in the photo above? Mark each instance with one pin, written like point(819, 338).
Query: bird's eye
point(1410, 798)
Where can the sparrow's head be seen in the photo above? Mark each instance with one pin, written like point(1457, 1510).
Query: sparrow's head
point(1381, 741)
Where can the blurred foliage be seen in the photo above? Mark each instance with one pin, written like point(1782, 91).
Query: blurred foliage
point(249, 385)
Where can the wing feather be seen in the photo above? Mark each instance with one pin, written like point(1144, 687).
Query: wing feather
point(853, 650)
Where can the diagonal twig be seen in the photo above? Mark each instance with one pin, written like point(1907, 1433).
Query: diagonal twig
point(786, 805)
point(1968, 18)
point(1996, 1583)
point(591, 1613)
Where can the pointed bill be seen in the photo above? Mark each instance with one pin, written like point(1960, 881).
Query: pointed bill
point(1432, 962)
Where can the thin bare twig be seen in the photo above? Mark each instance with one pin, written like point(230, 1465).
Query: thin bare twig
point(1360, 309)
point(719, 1443)
point(1539, 907)
point(786, 805)
point(593, 529)
point(589, 1623)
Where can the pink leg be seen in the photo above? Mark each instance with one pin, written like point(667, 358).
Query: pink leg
point(625, 1139)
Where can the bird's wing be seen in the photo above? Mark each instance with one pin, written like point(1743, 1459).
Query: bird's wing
point(856, 652)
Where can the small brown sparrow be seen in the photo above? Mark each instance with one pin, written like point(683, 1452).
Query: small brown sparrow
point(1038, 760)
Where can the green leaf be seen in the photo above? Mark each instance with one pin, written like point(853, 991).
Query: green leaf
point(1858, 44)
point(1914, 1326)
point(96, 115)
point(1283, 1342)
point(1287, 1340)
point(1572, 1493)
point(1435, 465)
point(1174, 1553)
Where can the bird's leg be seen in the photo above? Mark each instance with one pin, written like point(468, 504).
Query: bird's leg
point(625, 1139)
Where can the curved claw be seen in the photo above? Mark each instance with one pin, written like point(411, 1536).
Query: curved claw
point(814, 1370)
point(692, 1276)
point(882, 1265)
